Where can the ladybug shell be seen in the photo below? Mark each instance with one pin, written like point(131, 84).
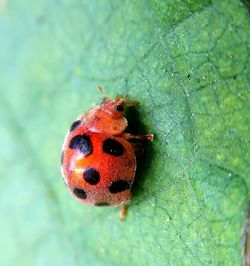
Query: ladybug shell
point(98, 169)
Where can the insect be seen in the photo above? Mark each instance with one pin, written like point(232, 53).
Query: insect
point(98, 160)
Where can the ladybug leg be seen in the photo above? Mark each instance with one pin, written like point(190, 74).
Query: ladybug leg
point(123, 212)
point(132, 104)
point(128, 136)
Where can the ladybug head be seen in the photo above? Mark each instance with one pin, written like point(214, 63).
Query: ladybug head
point(108, 116)
point(114, 108)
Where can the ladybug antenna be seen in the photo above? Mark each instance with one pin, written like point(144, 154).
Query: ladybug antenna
point(125, 98)
point(101, 90)
point(105, 96)
point(129, 104)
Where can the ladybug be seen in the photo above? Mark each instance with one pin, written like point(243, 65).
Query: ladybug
point(98, 159)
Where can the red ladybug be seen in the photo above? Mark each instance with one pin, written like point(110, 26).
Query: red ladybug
point(98, 160)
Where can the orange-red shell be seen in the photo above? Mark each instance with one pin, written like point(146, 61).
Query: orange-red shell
point(98, 164)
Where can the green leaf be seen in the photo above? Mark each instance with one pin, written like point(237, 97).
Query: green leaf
point(187, 62)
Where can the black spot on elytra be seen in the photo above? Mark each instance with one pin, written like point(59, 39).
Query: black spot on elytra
point(80, 193)
point(82, 143)
point(62, 157)
point(75, 125)
point(102, 204)
point(119, 108)
point(91, 176)
point(119, 186)
point(112, 147)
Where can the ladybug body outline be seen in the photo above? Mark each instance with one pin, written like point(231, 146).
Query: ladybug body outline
point(98, 161)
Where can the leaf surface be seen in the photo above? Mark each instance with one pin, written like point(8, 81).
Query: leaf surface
point(187, 62)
